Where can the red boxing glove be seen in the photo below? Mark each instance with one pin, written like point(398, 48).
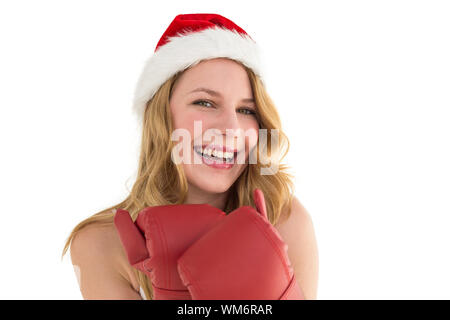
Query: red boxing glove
point(241, 258)
point(158, 238)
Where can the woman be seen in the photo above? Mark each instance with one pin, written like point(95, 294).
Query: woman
point(205, 70)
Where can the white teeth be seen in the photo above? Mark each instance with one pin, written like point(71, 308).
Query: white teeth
point(216, 153)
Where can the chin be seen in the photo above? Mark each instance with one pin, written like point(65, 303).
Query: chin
point(212, 186)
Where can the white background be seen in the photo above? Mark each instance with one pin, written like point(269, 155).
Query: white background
point(363, 89)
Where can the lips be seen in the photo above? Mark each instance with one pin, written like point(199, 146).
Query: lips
point(215, 155)
point(215, 147)
point(219, 148)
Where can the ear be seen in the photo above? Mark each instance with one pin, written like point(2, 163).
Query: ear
point(260, 204)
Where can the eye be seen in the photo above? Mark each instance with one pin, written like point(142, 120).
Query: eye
point(198, 102)
point(245, 111)
point(248, 111)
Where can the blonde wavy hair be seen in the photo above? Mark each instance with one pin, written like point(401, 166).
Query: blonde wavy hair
point(160, 181)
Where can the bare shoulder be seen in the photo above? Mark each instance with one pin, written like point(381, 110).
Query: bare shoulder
point(96, 240)
point(297, 230)
point(296, 227)
point(101, 264)
point(298, 213)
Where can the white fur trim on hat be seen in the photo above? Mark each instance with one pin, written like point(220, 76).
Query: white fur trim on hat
point(186, 50)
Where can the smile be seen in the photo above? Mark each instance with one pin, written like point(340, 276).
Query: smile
point(216, 155)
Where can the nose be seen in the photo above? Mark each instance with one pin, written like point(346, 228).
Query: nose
point(229, 120)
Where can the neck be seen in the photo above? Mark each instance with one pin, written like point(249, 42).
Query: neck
point(196, 195)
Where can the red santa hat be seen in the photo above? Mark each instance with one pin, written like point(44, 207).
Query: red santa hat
point(189, 39)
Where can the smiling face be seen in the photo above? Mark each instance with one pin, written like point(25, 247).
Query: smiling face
point(218, 94)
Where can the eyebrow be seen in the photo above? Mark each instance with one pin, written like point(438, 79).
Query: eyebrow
point(217, 94)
